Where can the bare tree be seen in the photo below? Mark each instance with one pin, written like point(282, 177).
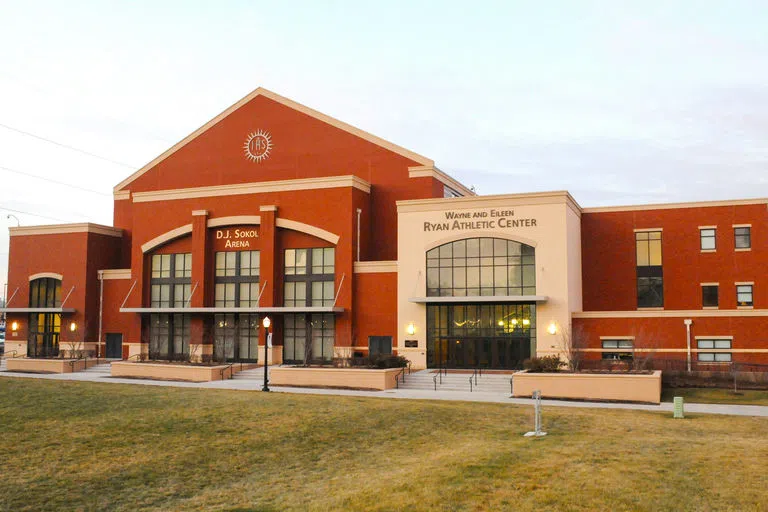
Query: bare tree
point(573, 341)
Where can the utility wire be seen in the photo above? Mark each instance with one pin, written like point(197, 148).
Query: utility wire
point(33, 214)
point(66, 146)
point(52, 181)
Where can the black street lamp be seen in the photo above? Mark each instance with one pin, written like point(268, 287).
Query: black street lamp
point(266, 323)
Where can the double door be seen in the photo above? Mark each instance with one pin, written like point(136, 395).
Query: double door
point(471, 352)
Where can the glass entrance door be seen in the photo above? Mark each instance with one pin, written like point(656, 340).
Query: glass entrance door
point(44, 331)
point(480, 335)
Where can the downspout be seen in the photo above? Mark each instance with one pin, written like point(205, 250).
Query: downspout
point(101, 310)
point(688, 323)
point(359, 212)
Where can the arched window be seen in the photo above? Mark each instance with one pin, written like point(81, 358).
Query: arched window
point(481, 266)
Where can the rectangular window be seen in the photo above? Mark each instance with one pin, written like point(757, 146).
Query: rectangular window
point(237, 279)
point(707, 239)
point(650, 280)
point(709, 296)
point(743, 237)
point(309, 277)
point(744, 295)
point(170, 283)
point(714, 357)
point(620, 350)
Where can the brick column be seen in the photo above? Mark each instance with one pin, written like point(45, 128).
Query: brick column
point(198, 344)
point(268, 275)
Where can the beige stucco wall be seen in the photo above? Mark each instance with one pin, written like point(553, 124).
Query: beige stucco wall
point(587, 386)
point(334, 377)
point(556, 237)
point(170, 371)
point(23, 364)
point(19, 346)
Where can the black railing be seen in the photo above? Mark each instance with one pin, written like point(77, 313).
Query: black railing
point(230, 365)
point(398, 376)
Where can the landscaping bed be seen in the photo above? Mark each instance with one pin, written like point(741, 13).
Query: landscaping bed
point(59, 365)
point(183, 371)
point(340, 378)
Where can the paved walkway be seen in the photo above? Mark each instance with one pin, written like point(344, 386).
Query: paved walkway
point(413, 394)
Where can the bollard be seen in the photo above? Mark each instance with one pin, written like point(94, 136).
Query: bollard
point(678, 411)
point(536, 417)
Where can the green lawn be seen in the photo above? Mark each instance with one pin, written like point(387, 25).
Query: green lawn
point(716, 396)
point(86, 446)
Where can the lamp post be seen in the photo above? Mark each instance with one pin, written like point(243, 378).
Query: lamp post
point(266, 323)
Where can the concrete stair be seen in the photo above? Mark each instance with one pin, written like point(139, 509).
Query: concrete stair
point(3, 365)
point(102, 369)
point(487, 383)
point(252, 374)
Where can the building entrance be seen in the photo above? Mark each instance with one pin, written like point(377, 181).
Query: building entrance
point(498, 336)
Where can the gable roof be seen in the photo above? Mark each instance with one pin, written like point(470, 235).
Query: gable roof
point(290, 104)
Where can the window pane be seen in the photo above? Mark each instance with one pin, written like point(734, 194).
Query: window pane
point(156, 266)
point(706, 357)
point(655, 253)
point(301, 261)
point(709, 296)
point(642, 253)
point(722, 343)
point(743, 238)
point(706, 344)
point(707, 239)
point(329, 254)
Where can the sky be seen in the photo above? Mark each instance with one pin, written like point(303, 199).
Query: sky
point(627, 102)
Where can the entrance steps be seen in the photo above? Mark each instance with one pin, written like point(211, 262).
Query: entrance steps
point(3, 365)
point(103, 368)
point(455, 381)
point(252, 374)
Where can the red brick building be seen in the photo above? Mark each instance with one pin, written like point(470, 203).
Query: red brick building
point(351, 244)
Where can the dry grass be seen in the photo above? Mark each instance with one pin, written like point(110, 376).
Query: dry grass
point(717, 396)
point(85, 446)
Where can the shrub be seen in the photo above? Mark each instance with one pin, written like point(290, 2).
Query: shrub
point(546, 364)
point(387, 361)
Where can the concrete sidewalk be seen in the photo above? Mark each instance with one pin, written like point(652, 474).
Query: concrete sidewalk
point(413, 394)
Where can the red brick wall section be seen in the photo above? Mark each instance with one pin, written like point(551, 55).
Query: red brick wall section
point(104, 252)
point(669, 333)
point(127, 324)
point(303, 147)
point(608, 256)
point(64, 254)
point(375, 307)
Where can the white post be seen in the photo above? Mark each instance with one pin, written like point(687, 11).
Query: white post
point(688, 323)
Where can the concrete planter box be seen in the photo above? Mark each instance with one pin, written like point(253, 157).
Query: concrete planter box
point(160, 371)
point(352, 378)
point(32, 365)
point(620, 387)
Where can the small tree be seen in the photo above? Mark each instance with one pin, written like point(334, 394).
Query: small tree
point(573, 341)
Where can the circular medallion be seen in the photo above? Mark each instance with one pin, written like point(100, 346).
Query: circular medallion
point(257, 146)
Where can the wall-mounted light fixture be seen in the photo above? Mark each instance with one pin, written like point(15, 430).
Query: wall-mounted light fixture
point(410, 329)
point(552, 329)
point(14, 326)
point(72, 326)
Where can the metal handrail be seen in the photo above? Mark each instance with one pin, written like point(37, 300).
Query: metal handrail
point(137, 356)
point(511, 388)
point(230, 365)
point(5, 354)
point(434, 379)
point(470, 383)
point(397, 378)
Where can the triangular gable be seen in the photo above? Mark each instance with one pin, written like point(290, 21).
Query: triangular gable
point(290, 104)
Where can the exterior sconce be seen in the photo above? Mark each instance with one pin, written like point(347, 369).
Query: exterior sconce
point(73, 327)
point(266, 322)
point(15, 326)
point(552, 329)
point(411, 329)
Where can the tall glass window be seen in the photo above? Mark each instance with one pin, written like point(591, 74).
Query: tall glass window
point(44, 328)
point(481, 266)
point(236, 284)
point(650, 277)
point(308, 337)
point(170, 287)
